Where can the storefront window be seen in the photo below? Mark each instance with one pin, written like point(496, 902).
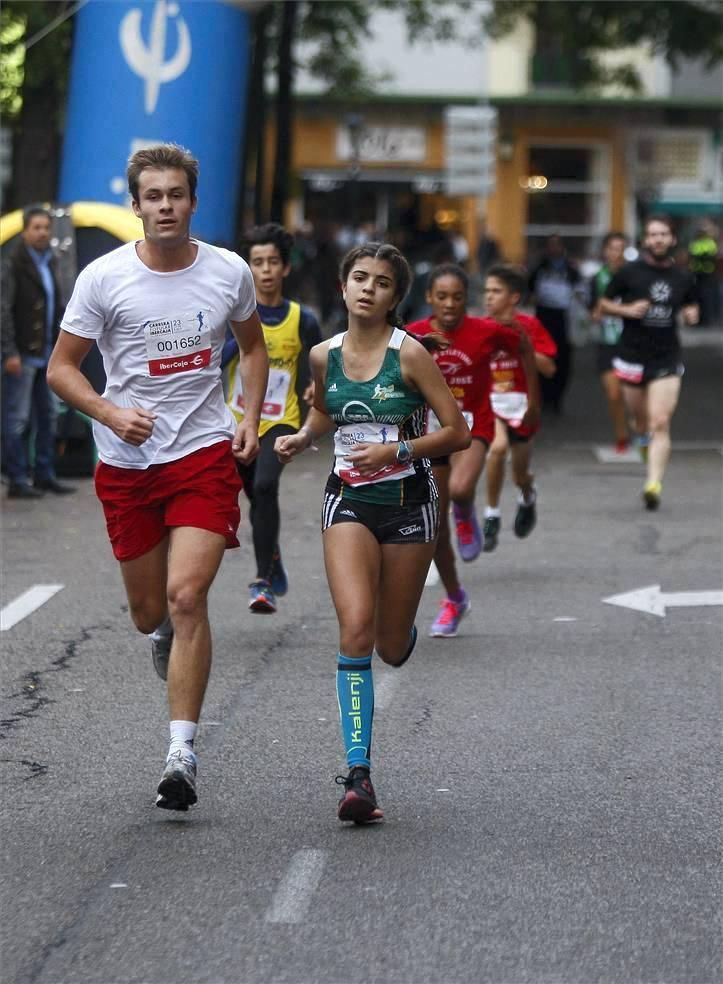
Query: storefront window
point(568, 193)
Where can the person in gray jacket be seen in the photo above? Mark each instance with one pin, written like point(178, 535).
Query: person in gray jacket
point(31, 311)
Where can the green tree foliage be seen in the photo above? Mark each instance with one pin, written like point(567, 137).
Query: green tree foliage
point(24, 74)
point(12, 60)
point(35, 69)
point(336, 31)
point(583, 29)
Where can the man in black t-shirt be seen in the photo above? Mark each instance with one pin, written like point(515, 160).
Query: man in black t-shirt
point(648, 295)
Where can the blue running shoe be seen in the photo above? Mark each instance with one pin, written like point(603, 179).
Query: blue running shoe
point(261, 598)
point(279, 578)
point(642, 443)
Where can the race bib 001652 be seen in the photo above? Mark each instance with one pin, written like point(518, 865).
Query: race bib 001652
point(178, 344)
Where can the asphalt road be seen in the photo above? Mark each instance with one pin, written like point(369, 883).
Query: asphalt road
point(550, 777)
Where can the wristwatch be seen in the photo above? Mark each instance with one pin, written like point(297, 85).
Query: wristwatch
point(404, 452)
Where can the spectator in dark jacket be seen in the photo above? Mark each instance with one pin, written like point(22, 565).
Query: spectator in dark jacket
point(31, 313)
point(552, 283)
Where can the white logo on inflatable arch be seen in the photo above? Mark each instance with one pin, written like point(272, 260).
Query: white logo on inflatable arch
point(147, 60)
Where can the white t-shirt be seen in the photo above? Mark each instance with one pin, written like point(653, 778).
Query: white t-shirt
point(161, 337)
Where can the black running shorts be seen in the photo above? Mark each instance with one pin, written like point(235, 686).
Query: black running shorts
point(416, 523)
point(634, 371)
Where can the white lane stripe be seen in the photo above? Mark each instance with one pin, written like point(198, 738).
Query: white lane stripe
point(687, 446)
point(26, 604)
point(432, 576)
point(294, 893)
point(384, 686)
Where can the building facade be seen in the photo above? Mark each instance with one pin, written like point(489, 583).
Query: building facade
point(564, 163)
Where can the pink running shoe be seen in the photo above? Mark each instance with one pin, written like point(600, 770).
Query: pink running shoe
point(469, 535)
point(447, 622)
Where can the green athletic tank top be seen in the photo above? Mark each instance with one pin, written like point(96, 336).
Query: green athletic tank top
point(380, 410)
point(611, 327)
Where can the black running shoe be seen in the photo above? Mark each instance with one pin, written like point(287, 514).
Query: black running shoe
point(161, 653)
point(525, 519)
point(177, 788)
point(410, 648)
point(359, 802)
point(491, 533)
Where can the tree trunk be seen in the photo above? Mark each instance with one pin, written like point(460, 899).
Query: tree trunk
point(253, 152)
point(261, 52)
point(36, 151)
point(37, 142)
point(284, 112)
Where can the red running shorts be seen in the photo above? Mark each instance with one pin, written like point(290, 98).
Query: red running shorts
point(141, 505)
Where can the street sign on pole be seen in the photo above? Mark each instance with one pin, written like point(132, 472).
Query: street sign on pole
point(470, 142)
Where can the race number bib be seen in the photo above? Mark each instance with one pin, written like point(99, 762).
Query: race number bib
point(433, 424)
point(178, 344)
point(629, 372)
point(349, 435)
point(509, 406)
point(277, 391)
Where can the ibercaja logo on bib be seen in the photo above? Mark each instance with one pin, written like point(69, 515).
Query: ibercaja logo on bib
point(178, 344)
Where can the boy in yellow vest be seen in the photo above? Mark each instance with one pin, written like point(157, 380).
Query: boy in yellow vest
point(290, 332)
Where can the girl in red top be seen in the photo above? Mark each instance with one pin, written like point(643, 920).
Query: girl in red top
point(465, 347)
point(504, 287)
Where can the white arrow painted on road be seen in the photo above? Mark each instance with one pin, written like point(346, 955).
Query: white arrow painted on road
point(652, 601)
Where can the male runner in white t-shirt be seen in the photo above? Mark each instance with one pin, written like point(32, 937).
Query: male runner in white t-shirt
point(167, 479)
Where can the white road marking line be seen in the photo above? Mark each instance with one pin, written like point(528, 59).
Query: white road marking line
point(609, 456)
point(384, 686)
point(606, 454)
point(564, 618)
point(432, 576)
point(294, 893)
point(26, 604)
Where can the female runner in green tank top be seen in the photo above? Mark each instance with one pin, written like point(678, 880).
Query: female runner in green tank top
point(372, 385)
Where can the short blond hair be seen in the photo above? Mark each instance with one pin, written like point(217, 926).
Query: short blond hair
point(162, 157)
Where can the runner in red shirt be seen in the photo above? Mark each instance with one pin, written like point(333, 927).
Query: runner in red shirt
point(510, 398)
point(466, 344)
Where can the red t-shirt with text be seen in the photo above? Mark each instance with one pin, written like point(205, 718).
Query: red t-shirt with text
point(465, 366)
point(509, 382)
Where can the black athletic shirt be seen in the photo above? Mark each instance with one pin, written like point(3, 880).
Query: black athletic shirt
point(668, 289)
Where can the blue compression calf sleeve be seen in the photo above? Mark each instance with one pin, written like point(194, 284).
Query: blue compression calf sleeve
point(355, 694)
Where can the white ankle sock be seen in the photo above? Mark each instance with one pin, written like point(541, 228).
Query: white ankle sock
point(182, 736)
point(529, 498)
point(492, 512)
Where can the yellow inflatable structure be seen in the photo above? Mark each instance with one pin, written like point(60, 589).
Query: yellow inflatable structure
point(114, 219)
